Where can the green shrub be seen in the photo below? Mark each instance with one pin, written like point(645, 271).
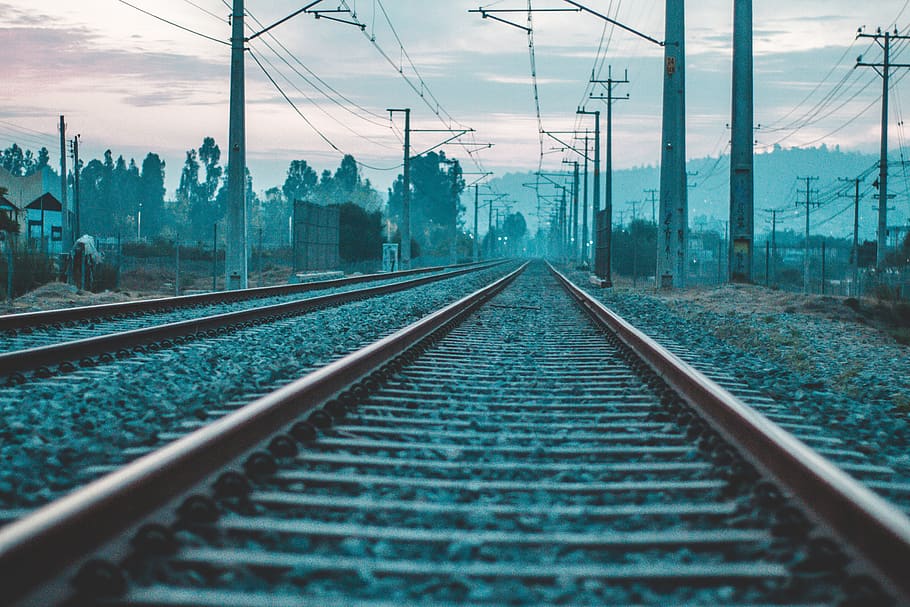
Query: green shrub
point(30, 270)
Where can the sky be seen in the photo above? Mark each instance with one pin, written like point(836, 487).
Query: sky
point(133, 84)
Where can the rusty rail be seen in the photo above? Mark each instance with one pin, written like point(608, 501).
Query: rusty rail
point(876, 532)
point(58, 536)
point(32, 358)
point(11, 322)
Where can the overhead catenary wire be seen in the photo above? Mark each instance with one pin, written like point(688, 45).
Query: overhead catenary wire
point(174, 24)
point(307, 120)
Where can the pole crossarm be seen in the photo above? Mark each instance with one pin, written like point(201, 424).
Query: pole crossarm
point(481, 175)
point(553, 182)
point(288, 18)
point(565, 145)
point(491, 14)
point(618, 24)
point(457, 133)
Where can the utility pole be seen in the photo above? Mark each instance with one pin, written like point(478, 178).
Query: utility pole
point(809, 191)
point(605, 262)
point(236, 271)
point(856, 181)
point(595, 207)
point(562, 226)
point(76, 171)
point(476, 211)
point(584, 206)
point(884, 40)
point(67, 220)
point(773, 240)
point(575, 210)
point(742, 187)
point(406, 192)
point(674, 207)
point(653, 193)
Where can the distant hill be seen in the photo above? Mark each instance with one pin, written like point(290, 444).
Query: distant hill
point(776, 186)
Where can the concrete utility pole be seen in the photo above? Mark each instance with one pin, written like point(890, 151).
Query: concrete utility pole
point(674, 207)
point(67, 221)
point(236, 244)
point(742, 187)
point(476, 210)
point(585, 256)
point(809, 191)
point(574, 236)
point(884, 40)
point(405, 229)
point(606, 261)
point(595, 206)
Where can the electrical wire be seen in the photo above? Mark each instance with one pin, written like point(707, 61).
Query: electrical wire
point(307, 120)
point(220, 18)
point(177, 25)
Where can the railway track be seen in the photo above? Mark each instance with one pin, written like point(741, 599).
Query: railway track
point(842, 446)
point(504, 450)
point(41, 340)
point(26, 323)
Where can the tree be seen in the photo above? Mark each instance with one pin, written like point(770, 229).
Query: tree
point(300, 182)
point(44, 158)
point(515, 227)
point(635, 248)
point(187, 189)
point(21, 162)
point(209, 156)
point(151, 194)
point(276, 211)
point(436, 186)
point(13, 160)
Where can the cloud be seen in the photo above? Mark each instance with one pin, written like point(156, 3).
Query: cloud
point(81, 62)
point(523, 80)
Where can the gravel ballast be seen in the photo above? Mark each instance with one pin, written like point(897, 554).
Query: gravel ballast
point(52, 430)
point(813, 355)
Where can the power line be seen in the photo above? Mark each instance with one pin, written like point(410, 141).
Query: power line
point(322, 109)
point(307, 120)
point(220, 18)
point(317, 77)
point(177, 25)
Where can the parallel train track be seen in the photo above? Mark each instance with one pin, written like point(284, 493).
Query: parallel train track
point(504, 450)
point(39, 341)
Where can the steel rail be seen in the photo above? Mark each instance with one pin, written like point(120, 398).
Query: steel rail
point(12, 322)
point(32, 358)
point(58, 536)
point(875, 531)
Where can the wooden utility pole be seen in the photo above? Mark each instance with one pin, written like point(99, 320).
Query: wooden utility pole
point(607, 246)
point(808, 202)
point(68, 238)
point(856, 181)
point(76, 171)
point(884, 40)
